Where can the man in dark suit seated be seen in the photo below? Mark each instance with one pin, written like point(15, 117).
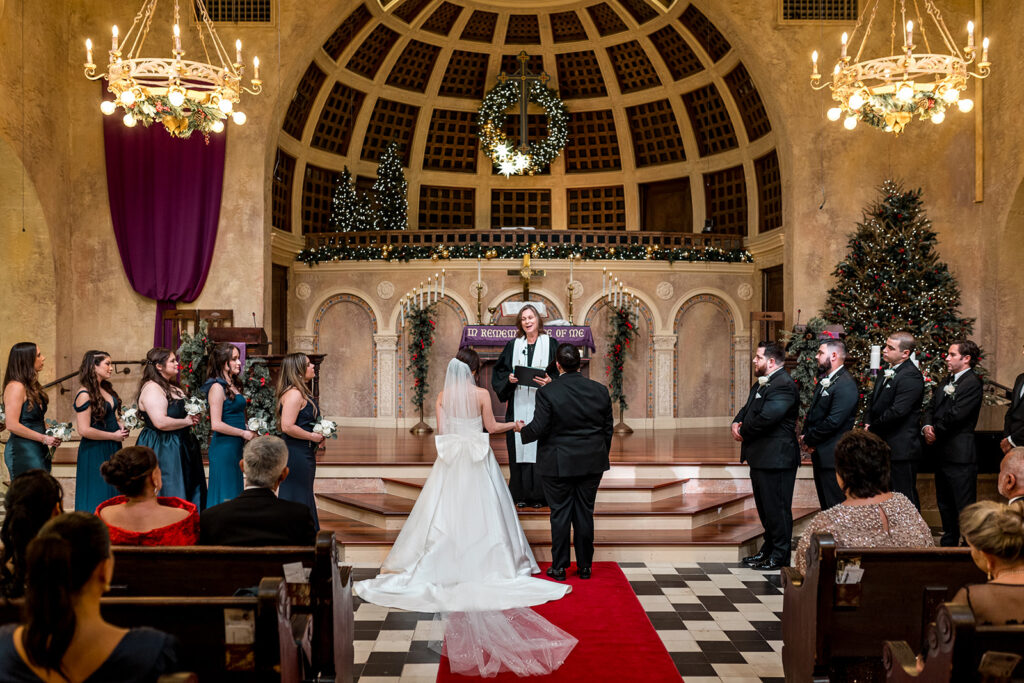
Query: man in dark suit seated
point(895, 412)
point(766, 426)
point(949, 421)
point(831, 415)
point(257, 517)
point(572, 423)
point(1011, 475)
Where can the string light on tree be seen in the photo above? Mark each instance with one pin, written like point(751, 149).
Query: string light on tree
point(391, 189)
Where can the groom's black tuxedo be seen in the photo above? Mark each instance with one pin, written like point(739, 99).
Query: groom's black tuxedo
point(895, 415)
point(770, 447)
point(572, 423)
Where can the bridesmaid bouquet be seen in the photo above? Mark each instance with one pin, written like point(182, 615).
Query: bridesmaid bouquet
point(195, 405)
point(326, 427)
point(131, 418)
point(59, 430)
point(258, 425)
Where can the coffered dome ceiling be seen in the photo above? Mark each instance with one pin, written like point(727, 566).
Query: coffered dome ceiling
point(666, 127)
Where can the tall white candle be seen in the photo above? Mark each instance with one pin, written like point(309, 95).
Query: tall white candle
point(478, 278)
point(442, 283)
point(113, 39)
point(570, 270)
point(604, 281)
point(437, 286)
point(417, 298)
point(876, 357)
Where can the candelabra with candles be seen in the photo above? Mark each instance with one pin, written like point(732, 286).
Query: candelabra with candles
point(621, 303)
point(569, 290)
point(415, 304)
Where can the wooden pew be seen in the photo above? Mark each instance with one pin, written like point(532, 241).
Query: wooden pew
point(222, 570)
point(830, 630)
point(199, 625)
point(960, 651)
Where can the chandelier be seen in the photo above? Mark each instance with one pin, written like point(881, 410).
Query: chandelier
point(887, 92)
point(185, 96)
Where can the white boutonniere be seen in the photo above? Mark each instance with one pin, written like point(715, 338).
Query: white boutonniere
point(825, 383)
point(949, 389)
point(890, 373)
point(763, 380)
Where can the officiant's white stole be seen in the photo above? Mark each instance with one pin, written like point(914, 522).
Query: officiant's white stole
point(525, 397)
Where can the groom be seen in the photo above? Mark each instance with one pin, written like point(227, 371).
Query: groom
point(572, 421)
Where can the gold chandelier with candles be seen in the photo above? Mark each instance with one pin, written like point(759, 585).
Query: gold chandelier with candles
point(887, 92)
point(185, 96)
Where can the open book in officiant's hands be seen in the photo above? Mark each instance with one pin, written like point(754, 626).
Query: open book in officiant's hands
point(525, 375)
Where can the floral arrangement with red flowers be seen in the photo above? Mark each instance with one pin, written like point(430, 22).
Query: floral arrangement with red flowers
point(421, 338)
point(622, 324)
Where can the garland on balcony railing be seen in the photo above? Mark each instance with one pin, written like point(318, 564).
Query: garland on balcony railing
point(634, 252)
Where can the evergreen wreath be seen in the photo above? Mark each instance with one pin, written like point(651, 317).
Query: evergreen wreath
point(622, 325)
point(192, 116)
point(421, 338)
point(491, 121)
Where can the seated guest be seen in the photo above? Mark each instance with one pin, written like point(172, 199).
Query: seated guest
point(872, 516)
point(1011, 475)
point(32, 500)
point(257, 517)
point(65, 637)
point(995, 533)
point(137, 516)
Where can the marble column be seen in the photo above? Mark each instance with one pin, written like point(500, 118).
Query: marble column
point(743, 355)
point(387, 379)
point(664, 380)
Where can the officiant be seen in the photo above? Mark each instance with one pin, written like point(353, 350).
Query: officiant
point(532, 348)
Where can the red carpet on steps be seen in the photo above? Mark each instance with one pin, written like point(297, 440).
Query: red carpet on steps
point(617, 641)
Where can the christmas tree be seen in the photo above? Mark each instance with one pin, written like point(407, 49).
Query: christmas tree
point(802, 343)
point(345, 204)
point(390, 189)
point(892, 280)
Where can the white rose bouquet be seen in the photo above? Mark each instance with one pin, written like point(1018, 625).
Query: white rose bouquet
point(59, 430)
point(3, 415)
point(258, 425)
point(131, 418)
point(326, 427)
point(195, 405)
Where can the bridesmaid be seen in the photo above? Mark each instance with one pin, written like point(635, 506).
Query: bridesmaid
point(166, 428)
point(25, 403)
point(227, 421)
point(297, 412)
point(97, 407)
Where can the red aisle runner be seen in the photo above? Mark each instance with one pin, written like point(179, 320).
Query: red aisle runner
point(617, 641)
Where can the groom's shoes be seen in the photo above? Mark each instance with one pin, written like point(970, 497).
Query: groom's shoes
point(583, 572)
point(756, 558)
point(556, 574)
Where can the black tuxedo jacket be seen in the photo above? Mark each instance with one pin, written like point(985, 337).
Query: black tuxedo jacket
point(895, 413)
point(256, 517)
point(769, 424)
point(1013, 425)
point(572, 423)
point(953, 417)
point(832, 414)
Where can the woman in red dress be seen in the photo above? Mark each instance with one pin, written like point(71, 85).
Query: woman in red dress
point(138, 516)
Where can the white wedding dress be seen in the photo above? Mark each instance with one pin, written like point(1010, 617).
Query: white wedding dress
point(462, 548)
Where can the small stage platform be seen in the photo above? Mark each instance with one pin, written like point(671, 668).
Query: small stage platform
point(671, 495)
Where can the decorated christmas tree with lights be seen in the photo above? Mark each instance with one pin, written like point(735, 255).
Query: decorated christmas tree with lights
point(344, 204)
point(390, 189)
point(891, 280)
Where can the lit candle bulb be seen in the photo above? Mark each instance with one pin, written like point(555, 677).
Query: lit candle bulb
point(478, 277)
point(177, 38)
point(844, 39)
point(604, 281)
point(256, 68)
point(984, 51)
point(437, 286)
point(238, 52)
point(88, 51)
point(814, 62)
point(970, 35)
point(910, 34)
point(442, 282)
point(113, 38)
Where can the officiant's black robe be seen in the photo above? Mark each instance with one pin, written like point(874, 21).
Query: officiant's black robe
point(523, 483)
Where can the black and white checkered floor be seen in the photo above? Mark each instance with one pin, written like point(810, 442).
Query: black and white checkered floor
point(719, 622)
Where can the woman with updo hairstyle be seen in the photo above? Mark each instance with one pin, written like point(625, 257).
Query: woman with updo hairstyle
point(297, 412)
point(32, 500)
point(995, 534)
point(138, 516)
point(64, 637)
point(167, 429)
point(25, 403)
point(227, 423)
point(97, 407)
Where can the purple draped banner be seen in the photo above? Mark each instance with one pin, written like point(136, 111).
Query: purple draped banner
point(499, 335)
point(165, 204)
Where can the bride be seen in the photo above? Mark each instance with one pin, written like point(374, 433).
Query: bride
point(462, 548)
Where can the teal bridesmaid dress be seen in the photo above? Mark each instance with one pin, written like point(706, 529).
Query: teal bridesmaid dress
point(169, 447)
point(298, 485)
point(21, 454)
point(225, 451)
point(90, 487)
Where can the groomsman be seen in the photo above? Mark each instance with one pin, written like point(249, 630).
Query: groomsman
point(766, 426)
point(895, 412)
point(1013, 425)
point(949, 422)
point(831, 415)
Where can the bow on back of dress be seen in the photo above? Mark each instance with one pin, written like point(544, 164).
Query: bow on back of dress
point(461, 412)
